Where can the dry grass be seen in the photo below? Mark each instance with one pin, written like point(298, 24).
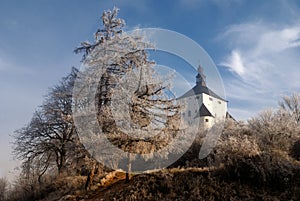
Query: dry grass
point(239, 168)
point(195, 184)
point(111, 178)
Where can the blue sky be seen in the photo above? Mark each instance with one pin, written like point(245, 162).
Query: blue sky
point(255, 45)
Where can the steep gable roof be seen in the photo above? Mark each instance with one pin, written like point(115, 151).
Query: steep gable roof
point(203, 112)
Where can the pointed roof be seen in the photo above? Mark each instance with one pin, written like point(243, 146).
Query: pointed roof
point(201, 78)
point(201, 87)
point(203, 112)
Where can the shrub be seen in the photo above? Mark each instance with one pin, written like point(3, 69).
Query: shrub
point(295, 150)
point(274, 130)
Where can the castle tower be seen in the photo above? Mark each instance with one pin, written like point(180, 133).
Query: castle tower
point(201, 78)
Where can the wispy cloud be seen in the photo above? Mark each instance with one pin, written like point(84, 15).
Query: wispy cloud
point(234, 62)
point(266, 59)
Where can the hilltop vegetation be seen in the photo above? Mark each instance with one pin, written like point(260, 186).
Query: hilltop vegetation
point(245, 165)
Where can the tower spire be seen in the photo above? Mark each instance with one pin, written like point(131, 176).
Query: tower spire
point(201, 78)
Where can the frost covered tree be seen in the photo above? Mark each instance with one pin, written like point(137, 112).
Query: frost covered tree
point(134, 110)
point(275, 129)
point(291, 104)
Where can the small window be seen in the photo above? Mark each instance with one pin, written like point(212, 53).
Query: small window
point(206, 120)
point(219, 102)
point(189, 113)
point(197, 97)
point(183, 114)
point(210, 98)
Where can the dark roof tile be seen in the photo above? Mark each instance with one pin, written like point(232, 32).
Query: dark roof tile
point(199, 89)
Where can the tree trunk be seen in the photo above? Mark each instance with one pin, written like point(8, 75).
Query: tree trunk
point(128, 168)
point(90, 177)
point(62, 162)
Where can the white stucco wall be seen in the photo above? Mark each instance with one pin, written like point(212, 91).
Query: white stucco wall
point(216, 107)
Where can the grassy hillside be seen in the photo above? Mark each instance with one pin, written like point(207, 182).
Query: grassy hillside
point(254, 161)
point(253, 178)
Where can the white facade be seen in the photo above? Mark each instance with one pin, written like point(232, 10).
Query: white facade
point(201, 105)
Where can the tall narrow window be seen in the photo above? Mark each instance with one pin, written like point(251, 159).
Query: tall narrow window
point(189, 113)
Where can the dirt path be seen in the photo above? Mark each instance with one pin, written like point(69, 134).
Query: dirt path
point(113, 182)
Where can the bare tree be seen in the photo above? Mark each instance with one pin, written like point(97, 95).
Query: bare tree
point(50, 138)
point(121, 61)
point(292, 105)
point(3, 188)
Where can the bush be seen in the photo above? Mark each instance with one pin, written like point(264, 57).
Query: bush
point(295, 150)
point(274, 130)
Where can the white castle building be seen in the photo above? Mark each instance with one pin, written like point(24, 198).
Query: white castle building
point(202, 105)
